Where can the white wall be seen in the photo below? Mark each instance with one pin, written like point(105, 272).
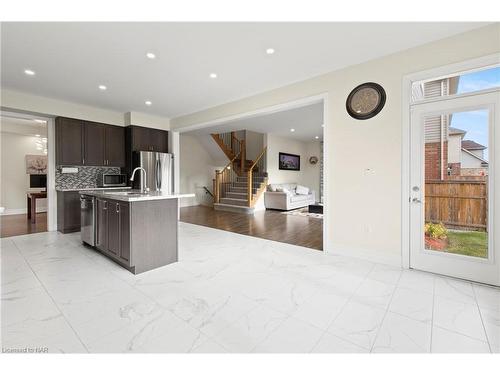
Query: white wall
point(308, 174)
point(197, 169)
point(20, 101)
point(479, 153)
point(14, 180)
point(254, 144)
point(454, 148)
point(469, 161)
point(364, 210)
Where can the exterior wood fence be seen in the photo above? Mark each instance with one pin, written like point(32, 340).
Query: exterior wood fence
point(458, 204)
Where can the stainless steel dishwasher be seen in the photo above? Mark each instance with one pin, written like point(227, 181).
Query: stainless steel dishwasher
point(88, 219)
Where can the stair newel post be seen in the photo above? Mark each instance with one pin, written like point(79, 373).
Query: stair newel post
point(243, 156)
point(217, 186)
point(249, 187)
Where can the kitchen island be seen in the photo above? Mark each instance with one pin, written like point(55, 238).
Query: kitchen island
point(135, 229)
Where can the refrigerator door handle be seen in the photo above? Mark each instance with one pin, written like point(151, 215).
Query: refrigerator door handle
point(158, 174)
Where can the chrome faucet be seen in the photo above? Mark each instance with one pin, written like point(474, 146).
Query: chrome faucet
point(145, 189)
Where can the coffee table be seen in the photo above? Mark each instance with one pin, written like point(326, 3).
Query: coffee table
point(316, 208)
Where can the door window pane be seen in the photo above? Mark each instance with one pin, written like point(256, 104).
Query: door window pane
point(459, 84)
point(456, 183)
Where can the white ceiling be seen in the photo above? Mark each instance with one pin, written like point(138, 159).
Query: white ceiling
point(305, 120)
point(22, 126)
point(72, 59)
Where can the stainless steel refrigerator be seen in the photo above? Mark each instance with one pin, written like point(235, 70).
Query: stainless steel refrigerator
point(159, 170)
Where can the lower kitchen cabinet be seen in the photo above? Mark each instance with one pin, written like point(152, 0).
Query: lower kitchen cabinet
point(113, 229)
point(68, 211)
point(101, 225)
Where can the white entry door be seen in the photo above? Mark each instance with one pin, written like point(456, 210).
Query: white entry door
point(455, 187)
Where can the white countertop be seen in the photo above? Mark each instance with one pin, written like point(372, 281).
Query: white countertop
point(135, 195)
point(96, 188)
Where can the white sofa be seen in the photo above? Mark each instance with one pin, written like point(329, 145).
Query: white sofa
point(287, 198)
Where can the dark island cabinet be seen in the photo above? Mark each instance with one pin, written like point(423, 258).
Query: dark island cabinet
point(101, 227)
point(89, 143)
point(113, 229)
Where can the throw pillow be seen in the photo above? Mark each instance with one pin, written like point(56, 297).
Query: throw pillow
point(302, 190)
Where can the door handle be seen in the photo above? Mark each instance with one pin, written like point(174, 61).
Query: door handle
point(416, 200)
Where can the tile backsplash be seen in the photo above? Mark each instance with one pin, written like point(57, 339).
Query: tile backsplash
point(85, 178)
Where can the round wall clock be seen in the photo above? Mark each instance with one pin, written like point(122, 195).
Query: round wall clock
point(365, 101)
point(313, 160)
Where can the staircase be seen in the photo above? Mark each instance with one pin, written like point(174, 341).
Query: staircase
point(241, 182)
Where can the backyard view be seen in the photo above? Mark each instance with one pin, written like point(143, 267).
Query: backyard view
point(456, 182)
point(457, 169)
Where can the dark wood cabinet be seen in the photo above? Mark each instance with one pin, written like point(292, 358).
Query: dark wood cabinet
point(68, 211)
point(114, 146)
point(69, 141)
point(125, 232)
point(101, 227)
point(94, 146)
point(159, 140)
point(113, 229)
point(140, 235)
point(89, 143)
point(148, 139)
point(139, 138)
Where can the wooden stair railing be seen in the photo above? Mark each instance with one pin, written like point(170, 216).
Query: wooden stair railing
point(232, 148)
point(223, 178)
point(259, 165)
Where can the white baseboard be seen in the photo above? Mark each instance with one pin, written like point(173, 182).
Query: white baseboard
point(20, 211)
point(376, 256)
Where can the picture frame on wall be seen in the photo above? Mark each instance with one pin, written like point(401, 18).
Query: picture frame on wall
point(289, 162)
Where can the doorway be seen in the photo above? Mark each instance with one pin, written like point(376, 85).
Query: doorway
point(25, 174)
point(453, 172)
point(296, 225)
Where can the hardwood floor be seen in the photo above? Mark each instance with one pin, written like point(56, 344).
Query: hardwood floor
point(16, 225)
point(271, 225)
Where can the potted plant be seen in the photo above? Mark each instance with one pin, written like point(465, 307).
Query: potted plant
point(436, 236)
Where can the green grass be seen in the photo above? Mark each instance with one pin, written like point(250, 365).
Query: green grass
point(468, 243)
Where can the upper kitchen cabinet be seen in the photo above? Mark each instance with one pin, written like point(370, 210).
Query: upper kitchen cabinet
point(94, 144)
point(69, 141)
point(89, 143)
point(147, 139)
point(114, 146)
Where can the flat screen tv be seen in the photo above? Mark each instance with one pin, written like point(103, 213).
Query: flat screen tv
point(38, 181)
point(289, 162)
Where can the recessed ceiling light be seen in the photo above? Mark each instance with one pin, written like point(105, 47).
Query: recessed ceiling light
point(270, 51)
point(317, 137)
point(148, 102)
point(292, 130)
point(102, 87)
point(29, 72)
point(37, 135)
point(213, 75)
point(150, 55)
